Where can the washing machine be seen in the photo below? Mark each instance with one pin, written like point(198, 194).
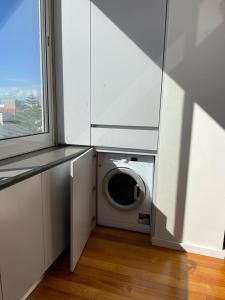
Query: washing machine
point(124, 191)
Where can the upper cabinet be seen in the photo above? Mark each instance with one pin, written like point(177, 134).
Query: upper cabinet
point(127, 45)
point(72, 38)
point(109, 59)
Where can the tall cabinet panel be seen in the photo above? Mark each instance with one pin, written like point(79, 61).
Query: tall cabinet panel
point(72, 38)
point(56, 200)
point(83, 171)
point(127, 43)
point(21, 236)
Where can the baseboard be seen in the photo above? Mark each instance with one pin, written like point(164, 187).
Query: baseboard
point(189, 248)
point(32, 288)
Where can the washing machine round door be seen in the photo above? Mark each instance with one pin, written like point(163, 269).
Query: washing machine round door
point(124, 188)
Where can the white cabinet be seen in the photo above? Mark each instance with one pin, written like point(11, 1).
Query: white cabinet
point(109, 57)
point(34, 228)
point(72, 39)
point(21, 236)
point(83, 170)
point(127, 44)
point(56, 197)
point(144, 139)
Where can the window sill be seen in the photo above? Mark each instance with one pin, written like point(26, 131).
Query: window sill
point(16, 169)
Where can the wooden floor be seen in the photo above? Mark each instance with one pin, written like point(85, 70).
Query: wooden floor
point(122, 265)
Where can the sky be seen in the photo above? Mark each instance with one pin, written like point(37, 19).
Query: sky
point(19, 49)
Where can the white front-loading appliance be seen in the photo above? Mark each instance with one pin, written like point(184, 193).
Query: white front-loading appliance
point(125, 189)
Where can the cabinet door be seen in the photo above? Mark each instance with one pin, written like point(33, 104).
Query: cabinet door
point(21, 236)
point(127, 44)
point(82, 203)
point(56, 197)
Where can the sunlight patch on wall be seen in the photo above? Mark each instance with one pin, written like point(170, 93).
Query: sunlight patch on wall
point(174, 107)
point(205, 189)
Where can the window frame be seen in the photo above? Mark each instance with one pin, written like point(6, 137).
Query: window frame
point(24, 144)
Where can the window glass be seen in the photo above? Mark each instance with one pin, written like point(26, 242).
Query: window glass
point(23, 109)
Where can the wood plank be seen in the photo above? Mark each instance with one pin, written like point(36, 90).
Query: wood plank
point(120, 265)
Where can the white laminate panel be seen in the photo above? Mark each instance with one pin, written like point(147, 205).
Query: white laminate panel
point(82, 203)
point(56, 199)
point(72, 47)
point(127, 43)
point(125, 138)
point(21, 236)
point(191, 170)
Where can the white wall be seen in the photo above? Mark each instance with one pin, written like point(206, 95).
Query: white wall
point(190, 202)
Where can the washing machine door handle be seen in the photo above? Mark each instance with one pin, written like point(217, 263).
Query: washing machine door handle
point(137, 192)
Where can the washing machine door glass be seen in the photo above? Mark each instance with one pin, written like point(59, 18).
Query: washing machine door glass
point(124, 188)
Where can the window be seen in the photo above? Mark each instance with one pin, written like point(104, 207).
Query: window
point(25, 76)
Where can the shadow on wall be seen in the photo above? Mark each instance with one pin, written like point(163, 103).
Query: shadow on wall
point(131, 17)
